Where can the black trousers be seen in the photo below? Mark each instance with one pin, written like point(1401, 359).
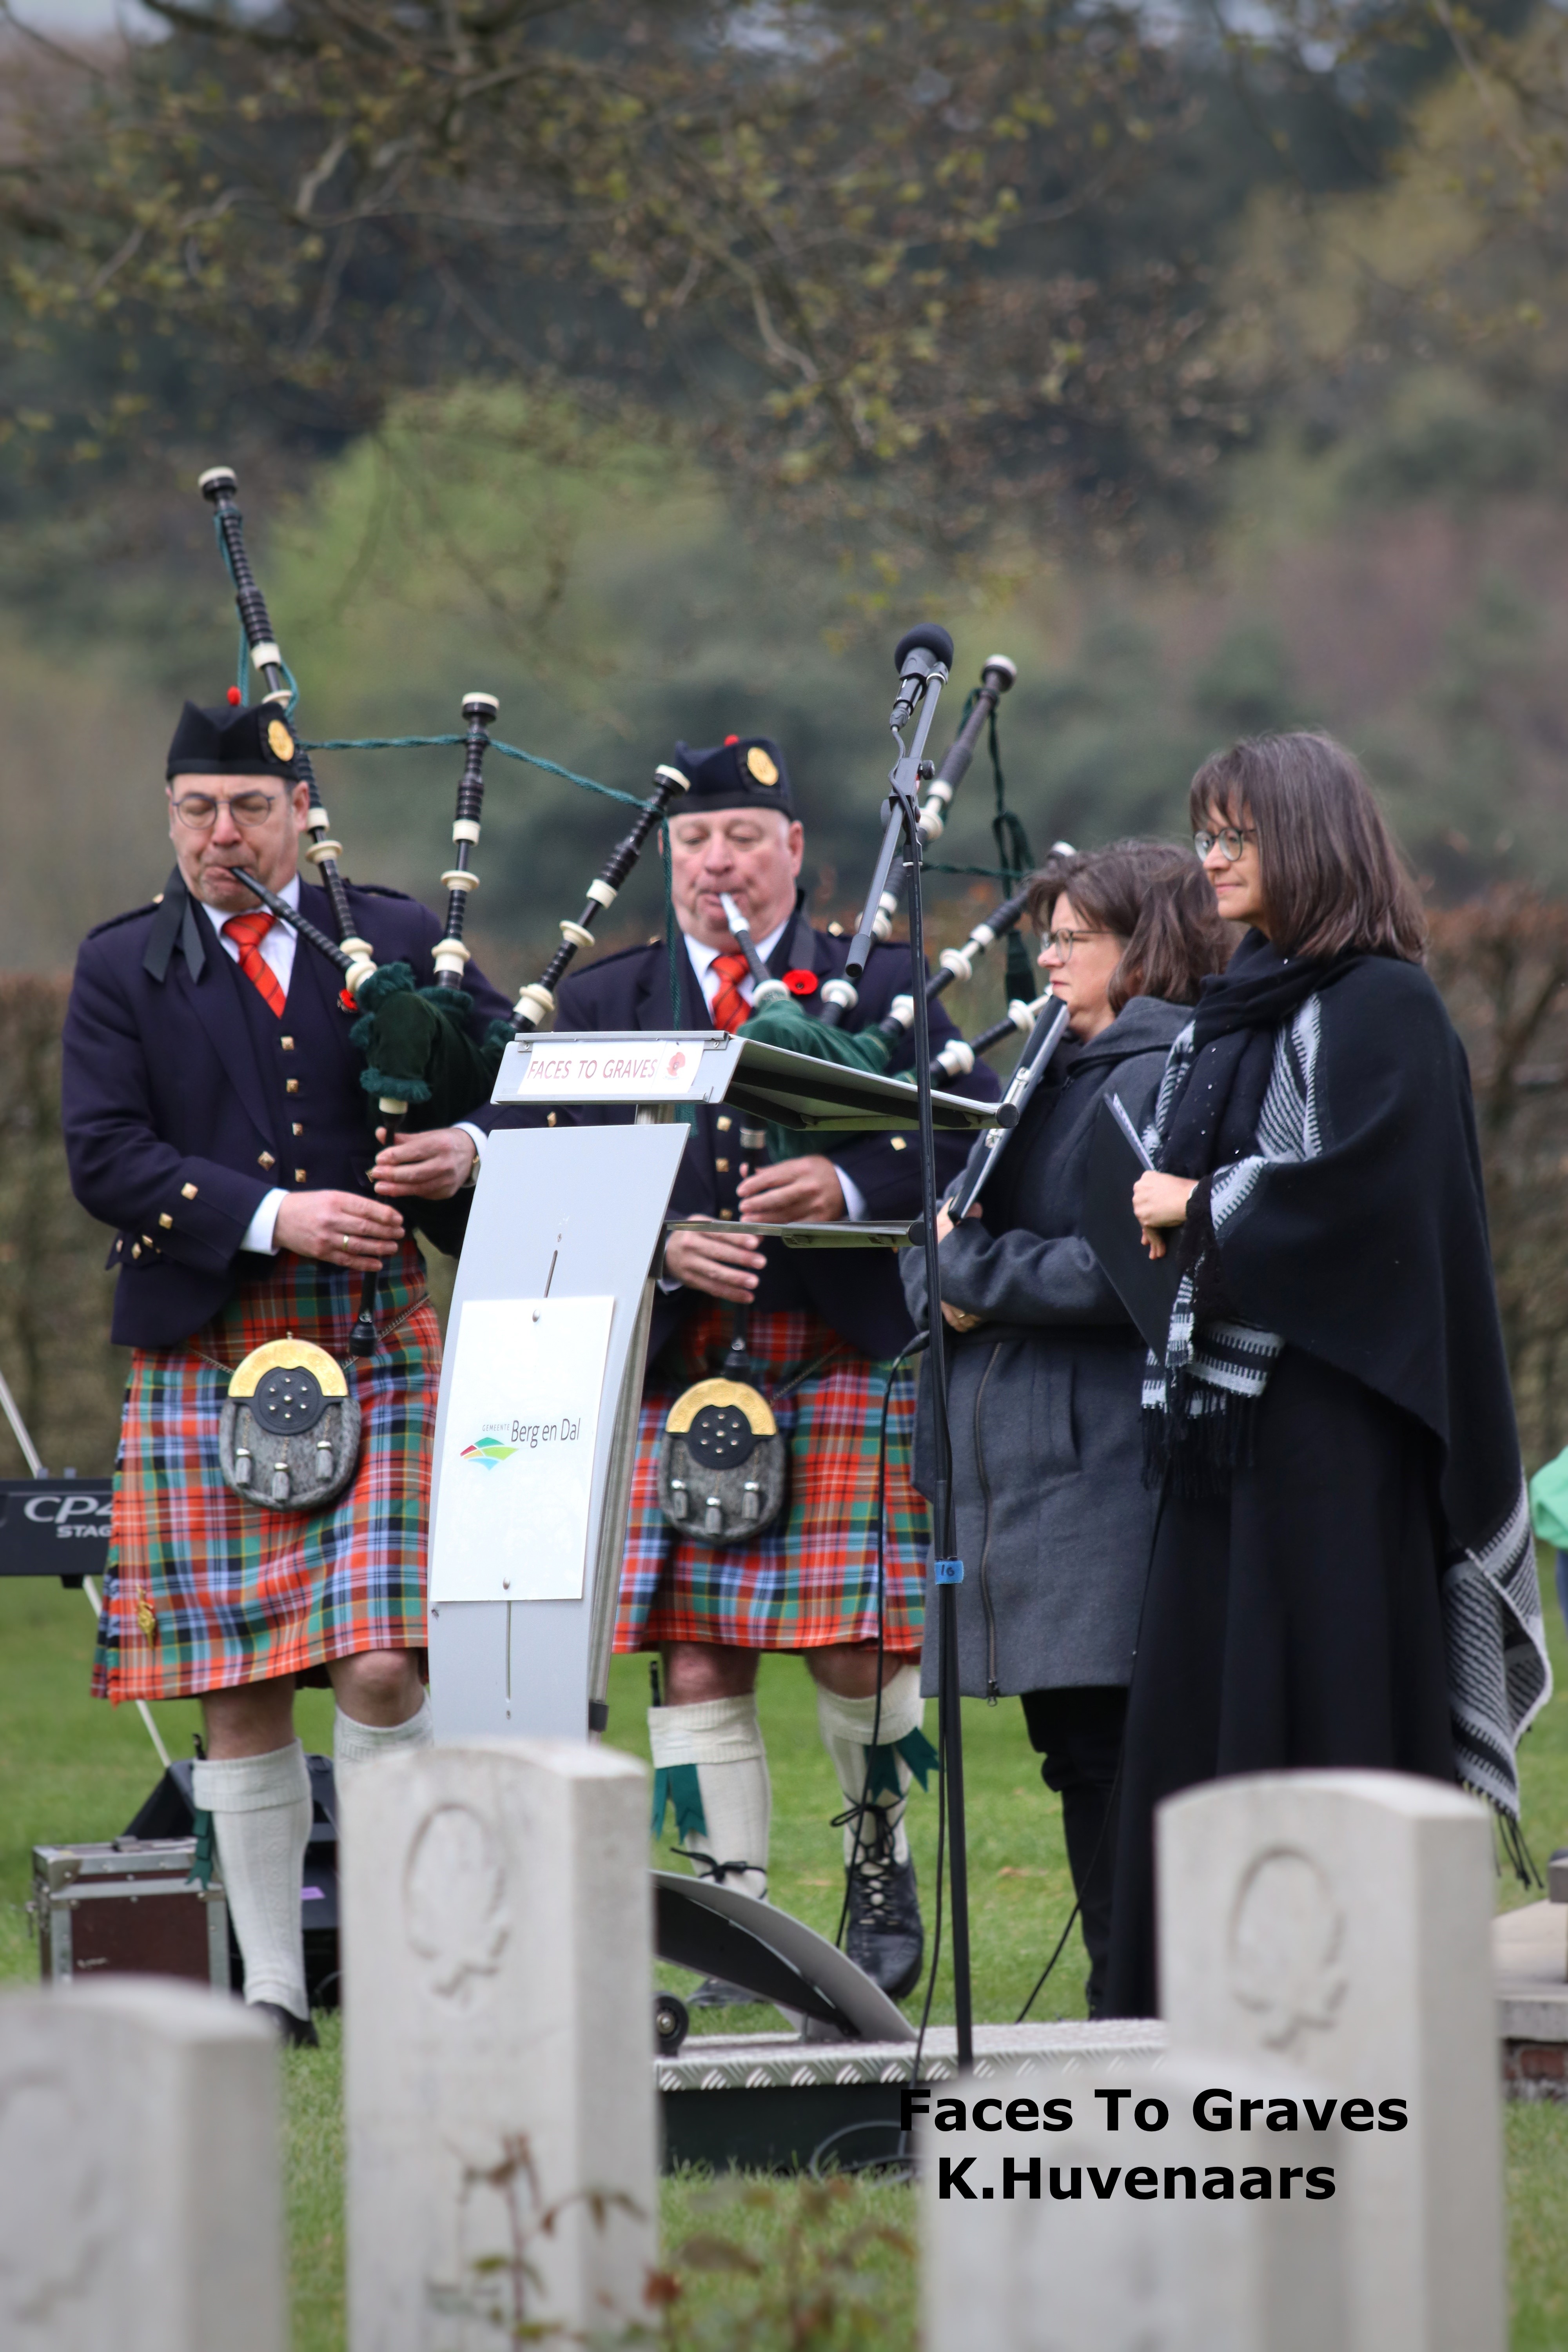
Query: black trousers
point(1293, 1622)
point(1078, 1732)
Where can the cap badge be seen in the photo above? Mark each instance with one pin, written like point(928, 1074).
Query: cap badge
point(280, 742)
point(760, 766)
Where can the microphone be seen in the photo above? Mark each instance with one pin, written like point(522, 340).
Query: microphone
point(919, 654)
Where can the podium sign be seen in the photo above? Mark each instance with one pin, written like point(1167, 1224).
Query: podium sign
point(640, 1065)
point(522, 1425)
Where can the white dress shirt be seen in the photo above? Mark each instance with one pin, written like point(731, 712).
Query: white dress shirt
point(710, 982)
point(278, 954)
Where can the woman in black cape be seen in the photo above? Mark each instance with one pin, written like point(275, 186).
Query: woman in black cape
point(1343, 1572)
point(1051, 1511)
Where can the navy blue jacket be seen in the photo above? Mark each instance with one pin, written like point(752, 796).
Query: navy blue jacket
point(186, 1101)
point(857, 1291)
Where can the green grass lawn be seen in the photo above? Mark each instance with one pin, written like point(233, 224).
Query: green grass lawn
point(71, 1769)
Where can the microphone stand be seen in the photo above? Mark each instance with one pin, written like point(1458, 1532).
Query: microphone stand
point(903, 823)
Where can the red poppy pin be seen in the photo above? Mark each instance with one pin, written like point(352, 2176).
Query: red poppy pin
point(801, 983)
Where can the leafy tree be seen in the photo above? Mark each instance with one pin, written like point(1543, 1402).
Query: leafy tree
point(903, 265)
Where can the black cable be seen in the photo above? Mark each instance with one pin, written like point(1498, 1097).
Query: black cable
point(1056, 1956)
point(936, 1931)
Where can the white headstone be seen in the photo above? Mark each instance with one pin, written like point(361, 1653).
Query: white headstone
point(497, 1990)
point(1341, 1921)
point(1155, 2233)
point(140, 2206)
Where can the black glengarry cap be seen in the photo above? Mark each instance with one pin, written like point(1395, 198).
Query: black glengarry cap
point(742, 772)
point(256, 740)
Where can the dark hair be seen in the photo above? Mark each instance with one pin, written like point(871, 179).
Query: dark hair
point(1155, 898)
point(1332, 875)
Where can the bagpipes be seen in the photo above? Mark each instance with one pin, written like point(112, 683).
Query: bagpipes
point(422, 1062)
point(423, 1066)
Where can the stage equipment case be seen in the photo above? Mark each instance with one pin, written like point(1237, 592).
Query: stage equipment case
point(129, 1908)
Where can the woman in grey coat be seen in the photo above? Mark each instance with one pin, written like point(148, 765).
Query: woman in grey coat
point(1053, 1520)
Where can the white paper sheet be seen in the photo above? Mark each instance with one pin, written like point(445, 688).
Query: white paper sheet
point(517, 1471)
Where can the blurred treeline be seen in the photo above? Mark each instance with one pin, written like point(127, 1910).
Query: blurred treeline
point(1221, 381)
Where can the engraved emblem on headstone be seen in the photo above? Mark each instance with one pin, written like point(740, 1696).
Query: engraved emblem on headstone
point(54, 2216)
point(1287, 1928)
point(454, 1901)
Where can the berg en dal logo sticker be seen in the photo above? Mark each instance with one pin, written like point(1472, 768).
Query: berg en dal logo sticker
point(489, 1450)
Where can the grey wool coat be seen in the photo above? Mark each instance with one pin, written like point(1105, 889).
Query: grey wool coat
point(1053, 1521)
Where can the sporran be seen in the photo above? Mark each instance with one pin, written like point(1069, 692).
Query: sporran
point(289, 1436)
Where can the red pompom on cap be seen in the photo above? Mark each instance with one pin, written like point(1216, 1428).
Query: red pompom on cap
point(728, 739)
point(234, 697)
point(801, 983)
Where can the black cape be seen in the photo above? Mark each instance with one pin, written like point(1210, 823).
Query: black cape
point(1372, 1254)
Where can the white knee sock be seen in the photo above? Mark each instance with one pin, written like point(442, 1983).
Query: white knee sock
point(261, 1812)
point(846, 1725)
point(722, 1738)
point(361, 1743)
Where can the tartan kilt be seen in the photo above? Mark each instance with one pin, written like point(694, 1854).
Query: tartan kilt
point(238, 1594)
point(811, 1580)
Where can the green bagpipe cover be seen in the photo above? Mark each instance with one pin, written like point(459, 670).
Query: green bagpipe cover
point(782, 1023)
point(419, 1048)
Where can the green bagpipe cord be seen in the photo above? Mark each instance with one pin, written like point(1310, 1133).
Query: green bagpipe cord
point(782, 1023)
point(677, 1785)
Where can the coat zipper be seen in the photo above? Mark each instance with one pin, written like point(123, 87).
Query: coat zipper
point(992, 1688)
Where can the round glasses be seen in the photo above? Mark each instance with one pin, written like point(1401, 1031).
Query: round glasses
point(1230, 841)
point(1062, 943)
point(198, 810)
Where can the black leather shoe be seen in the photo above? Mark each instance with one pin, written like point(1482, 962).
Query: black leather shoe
point(294, 2032)
point(886, 1937)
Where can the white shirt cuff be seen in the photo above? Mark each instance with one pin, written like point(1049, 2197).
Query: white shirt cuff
point(854, 1198)
point(261, 1232)
point(477, 1137)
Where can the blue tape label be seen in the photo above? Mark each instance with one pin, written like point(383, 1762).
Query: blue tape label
point(950, 1571)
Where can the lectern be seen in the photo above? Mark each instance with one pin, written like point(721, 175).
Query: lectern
point(546, 1349)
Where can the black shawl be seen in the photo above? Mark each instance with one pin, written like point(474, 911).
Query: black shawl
point(1352, 1225)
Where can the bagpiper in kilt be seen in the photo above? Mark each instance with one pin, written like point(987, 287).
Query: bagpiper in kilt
point(214, 1114)
point(820, 1331)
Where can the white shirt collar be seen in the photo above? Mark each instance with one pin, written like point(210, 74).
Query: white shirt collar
point(217, 915)
point(701, 956)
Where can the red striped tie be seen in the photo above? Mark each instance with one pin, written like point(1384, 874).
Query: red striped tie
point(730, 1007)
point(247, 931)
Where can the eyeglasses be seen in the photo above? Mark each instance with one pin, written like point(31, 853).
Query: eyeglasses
point(1230, 840)
point(1062, 943)
point(199, 810)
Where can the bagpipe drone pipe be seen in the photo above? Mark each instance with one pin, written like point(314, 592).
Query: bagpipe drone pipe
point(424, 1068)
